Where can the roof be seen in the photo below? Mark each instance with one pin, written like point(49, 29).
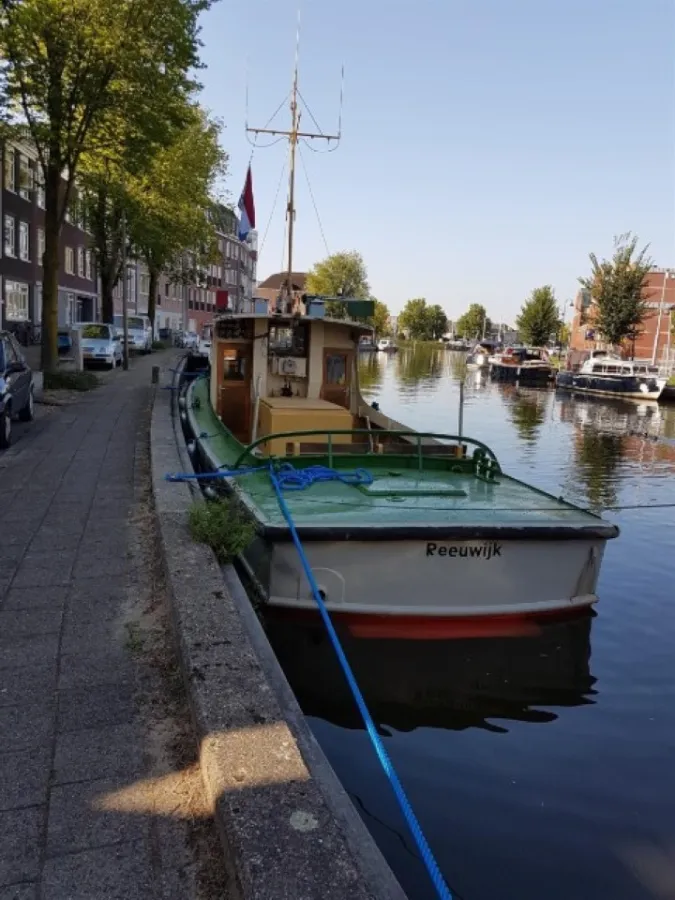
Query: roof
point(277, 280)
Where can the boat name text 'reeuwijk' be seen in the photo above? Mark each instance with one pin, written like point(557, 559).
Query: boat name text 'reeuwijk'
point(487, 551)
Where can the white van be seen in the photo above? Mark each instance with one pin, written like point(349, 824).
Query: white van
point(139, 330)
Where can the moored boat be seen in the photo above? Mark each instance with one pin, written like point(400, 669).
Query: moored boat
point(526, 365)
point(479, 357)
point(416, 534)
point(613, 376)
point(386, 345)
point(429, 511)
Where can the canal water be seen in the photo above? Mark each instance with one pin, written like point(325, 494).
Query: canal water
point(541, 768)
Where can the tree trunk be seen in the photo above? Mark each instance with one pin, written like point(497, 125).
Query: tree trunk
point(50, 276)
point(107, 302)
point(152, 295)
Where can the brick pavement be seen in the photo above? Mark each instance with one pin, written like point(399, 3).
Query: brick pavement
point(71, 729)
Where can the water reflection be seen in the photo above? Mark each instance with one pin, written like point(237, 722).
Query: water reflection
point(527, 409)
point(455, 685)
point(371, 367)
point(420, 366)
point(597, 457)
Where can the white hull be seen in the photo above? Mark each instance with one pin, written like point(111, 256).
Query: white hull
point(440, 578)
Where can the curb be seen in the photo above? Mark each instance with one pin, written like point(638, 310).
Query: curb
point(289, 830)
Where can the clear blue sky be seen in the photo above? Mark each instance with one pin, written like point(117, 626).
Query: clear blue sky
point(488, 145)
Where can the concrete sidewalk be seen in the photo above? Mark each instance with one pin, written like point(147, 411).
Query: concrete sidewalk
point(100, 795)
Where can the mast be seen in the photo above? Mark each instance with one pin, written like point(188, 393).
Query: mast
point(293, 135)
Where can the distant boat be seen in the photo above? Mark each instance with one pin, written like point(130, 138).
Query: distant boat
point(614, 376)
point(385, 345)
point(527, 365)
point(367, 345)
point(479, 358)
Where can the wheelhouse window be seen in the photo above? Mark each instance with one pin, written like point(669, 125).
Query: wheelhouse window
point(286, 340)
point(234, 364)
point(336, 369)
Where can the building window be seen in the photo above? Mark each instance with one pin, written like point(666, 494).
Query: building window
point(72, 309)
point(87, 264)
point(10, 236)
point(144, 283)
point(16, 301)
point(70, 267)
point(80, 262)
point(24, 241)
point(25, 177)
point(37, 304)
point(40, 245)
point(39, 188)
point(10, 168)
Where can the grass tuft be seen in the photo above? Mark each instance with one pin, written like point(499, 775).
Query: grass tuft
point(223, 525)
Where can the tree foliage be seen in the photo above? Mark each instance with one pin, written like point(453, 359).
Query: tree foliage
point(474, 323)
point(539, 319)
point(617, 289)
point(341, 274)
point(380, 319)
point(171, 205)
point(422, 322)
point(65, 66)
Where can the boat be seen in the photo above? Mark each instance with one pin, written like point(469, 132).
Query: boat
point(385, 345)
point(408, 533)
point(367, 344)
point(610, 375)
point(526, 365)
point(479, 357)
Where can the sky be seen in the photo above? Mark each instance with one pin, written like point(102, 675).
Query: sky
point(488, 146)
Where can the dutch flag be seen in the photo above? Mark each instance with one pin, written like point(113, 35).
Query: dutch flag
point(246, 207)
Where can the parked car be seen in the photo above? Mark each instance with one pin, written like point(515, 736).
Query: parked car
point(139, 331)
point(100, 344)
point(16, 388)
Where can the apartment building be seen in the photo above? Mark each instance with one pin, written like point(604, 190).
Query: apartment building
point(22, 204)
point(191, 304)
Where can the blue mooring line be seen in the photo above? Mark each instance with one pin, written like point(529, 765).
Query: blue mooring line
point(289, 478)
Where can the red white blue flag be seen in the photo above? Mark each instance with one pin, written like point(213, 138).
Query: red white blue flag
point(246, 207)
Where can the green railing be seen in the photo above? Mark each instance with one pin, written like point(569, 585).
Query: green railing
point(487, 465)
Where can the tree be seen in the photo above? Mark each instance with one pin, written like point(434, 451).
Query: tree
point(437, 322)
point(414, 320)
point(380, 318)
point(474, 323)
point(122, 149)
point(341, 274)
point(539, 318)
point(64, 66)
point(171, 209)
point(617, 289)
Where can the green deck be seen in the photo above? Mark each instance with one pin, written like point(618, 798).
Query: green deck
point(400, 495)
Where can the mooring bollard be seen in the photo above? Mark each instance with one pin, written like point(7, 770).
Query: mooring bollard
point(155, 374)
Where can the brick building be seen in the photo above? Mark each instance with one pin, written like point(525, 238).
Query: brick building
point(22, 203)
point(655, 339)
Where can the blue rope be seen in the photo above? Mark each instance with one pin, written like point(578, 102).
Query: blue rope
point(425, 851)
point(290, 478)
